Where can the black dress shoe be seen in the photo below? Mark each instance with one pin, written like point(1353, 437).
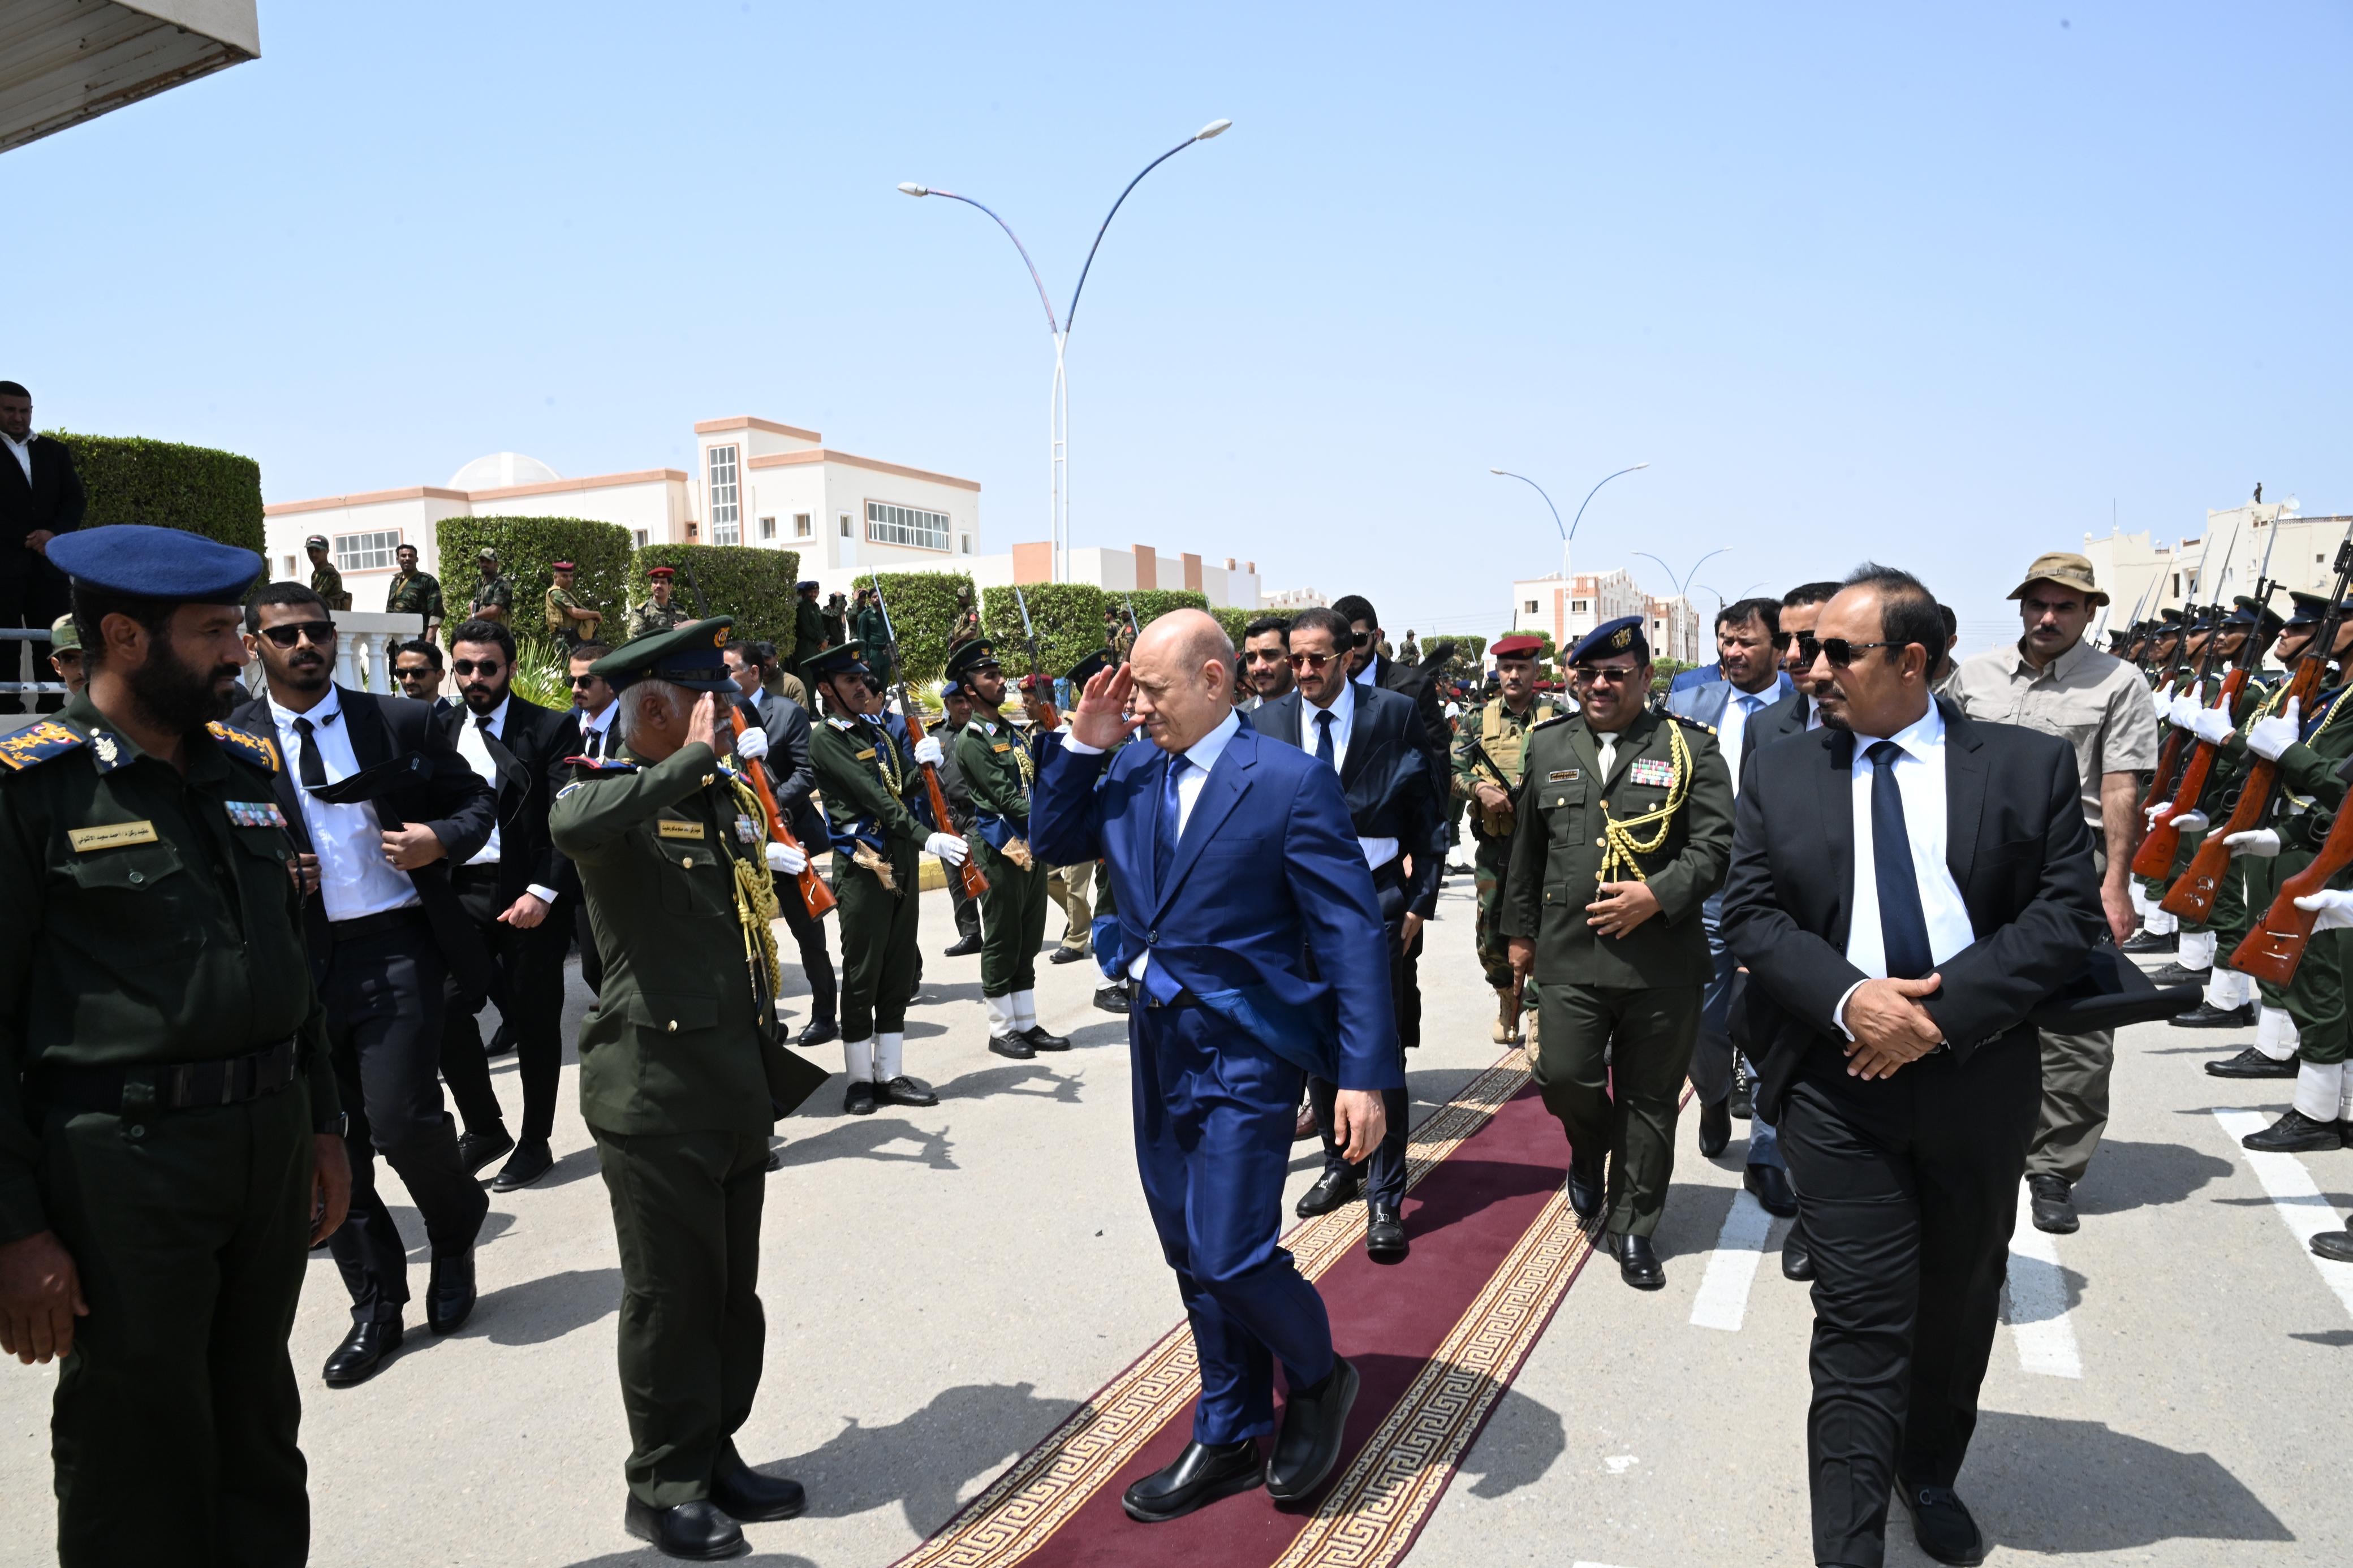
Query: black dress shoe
point(1742, 1101)
point(2296, 1133)
point(1040, 1040)
point(2179, 975)
point(1585, 1189)
point(906, 1091)
point(1067, 955)
point(449, 1293)
point(744, 1493)
point(1385, 1234)
point(477, 1150)
point(2337, 1244)
point(1115, 997)
point(1018, 1047)
point(1715, 1129)
point(1202, 1474)
point(2205, 1017)
point(365, 1349)
point(698, 1532)
point(963, 947)
point(1941, 1524)
point(1771, 1185)
point(818, 1032)
point(530, 1162)
point(2147, 941)
point(1797, 1257)
point(1638, 1265)
point(776, 1157)
point(2053, 1204)
point(1336, 1186)
point(2250, 1063)
point(859, 1098)
point(1314, 1421)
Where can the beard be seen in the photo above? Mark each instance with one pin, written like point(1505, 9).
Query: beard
point(177, 697)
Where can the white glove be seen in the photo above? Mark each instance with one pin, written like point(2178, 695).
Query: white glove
point(2335, 909)
point(2163, 697)
point(2261, 842)
point(752, 744)
point(786, 860)
point(2212, 724)
point(2190, 822)
point(946, 845)
point(2158, 812)
point(2183, 714)
point(927, 750)
point(2267, 738)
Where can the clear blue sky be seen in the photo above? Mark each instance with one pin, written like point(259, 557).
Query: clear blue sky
point(1938, 286)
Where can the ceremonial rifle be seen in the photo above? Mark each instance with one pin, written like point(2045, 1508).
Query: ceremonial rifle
point(1040, 706)
point(2158, 850)
point(2169, 760)
point(975, 882)
point(1135, 632)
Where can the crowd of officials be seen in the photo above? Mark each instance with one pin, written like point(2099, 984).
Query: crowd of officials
point(338, 883)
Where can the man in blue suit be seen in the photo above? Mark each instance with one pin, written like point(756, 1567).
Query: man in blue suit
point(1230, 857)
point(1371, 737)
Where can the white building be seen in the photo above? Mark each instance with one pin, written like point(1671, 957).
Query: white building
point(1675, 632)
point(1233, 585)
point(2222, 559)
point(1568, 608)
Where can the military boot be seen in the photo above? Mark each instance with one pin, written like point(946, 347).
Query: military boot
point(1507, 1016)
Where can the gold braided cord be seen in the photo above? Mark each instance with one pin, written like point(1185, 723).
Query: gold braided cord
point(893, 771)
point(755, 891)
point(1624, 847)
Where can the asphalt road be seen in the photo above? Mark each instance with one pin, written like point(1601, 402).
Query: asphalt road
point(944, 1286)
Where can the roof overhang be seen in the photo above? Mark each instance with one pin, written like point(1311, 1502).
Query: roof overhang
point(65, 62)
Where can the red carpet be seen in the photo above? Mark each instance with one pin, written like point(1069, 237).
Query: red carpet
point(1436, 1338)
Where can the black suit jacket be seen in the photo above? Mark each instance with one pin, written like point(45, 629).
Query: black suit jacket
point(448, 798)
point(1783, 719)
point(2015, 843)
point(52, 499)
point(1418, 682)
point(530, 758)
point(786, 725)
point(1387, 785)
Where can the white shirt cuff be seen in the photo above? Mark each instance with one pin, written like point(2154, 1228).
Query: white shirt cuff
point(1838, 1014)
point(1078, 748)
point(546, 895)
point(1379, 852)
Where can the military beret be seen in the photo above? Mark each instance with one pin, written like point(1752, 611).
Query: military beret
point(842, 658)
point(1520, 645)
point(1624, 635)
point(155, 562)
point(689, 655)
point(561, 566)
point(64, 636)
point(805, 588)
point(663, 572)
point(972, 656)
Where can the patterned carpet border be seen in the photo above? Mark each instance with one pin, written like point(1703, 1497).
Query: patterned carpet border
point(1023, 1508)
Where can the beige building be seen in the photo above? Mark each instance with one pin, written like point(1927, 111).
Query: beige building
point(1230, 585)
point(2222, 559)
point(1568, 607)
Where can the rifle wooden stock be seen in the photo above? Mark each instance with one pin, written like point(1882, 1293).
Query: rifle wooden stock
point(815, 895)
point(2192, 896)
point(2157, 852)
point(2160, 784)
point(975, 882)
point(2275, 946)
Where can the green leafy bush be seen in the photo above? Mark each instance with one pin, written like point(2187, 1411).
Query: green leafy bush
point(1470, 651)
point(133, 479)
point(923, 606)
point(528, 547)
point(543, 674)
point(1068, 617)
point(1151, 604)
point(755, 586)
point(1235, 622)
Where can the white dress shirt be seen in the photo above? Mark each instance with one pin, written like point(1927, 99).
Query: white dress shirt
point(596, 730)
point(354, 878)
point(1920, 775)
point(1732, 734)
point(23, 452)
point(477, 753)
point(1379, 852)
point(1365, 676)
point(1203, 754)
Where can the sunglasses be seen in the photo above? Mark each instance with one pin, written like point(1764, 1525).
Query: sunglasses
point(470, 667)
point(321, 633)
point(581, 680)
point(1608, 675)
point(1840, 652)
point(1311, 660)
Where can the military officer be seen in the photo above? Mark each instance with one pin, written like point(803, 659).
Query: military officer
point(171, 1142)
point(413, 592)
point(1623, 828)
point(809, 626)
point(657, 613)
point(569, 621)
point(870, 629)
point(868, 778)
point(682, 1077)
point(325, 581)
point(494, 592)
point(999, 771)
point(1487, 753)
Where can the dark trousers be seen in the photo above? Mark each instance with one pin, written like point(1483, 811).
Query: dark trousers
point(1908, 1191)
point(1383, 1171)
point(383, 996)
point(1624, 1101)
point(966, 907)
point(817, 960)
point(174, 1429)
point(1014, 913)
point(686, 1213)
point(530, 965)
point(880, 964)
point(1213, 1118)
point(33, 593)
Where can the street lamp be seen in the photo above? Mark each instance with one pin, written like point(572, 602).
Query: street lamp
point(1057, 404)
point(1568, 532)
point(1682, 585)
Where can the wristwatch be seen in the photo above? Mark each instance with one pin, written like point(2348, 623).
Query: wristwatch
point(340, 1124)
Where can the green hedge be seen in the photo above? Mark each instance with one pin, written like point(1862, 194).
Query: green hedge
point(133, 479)
point(923, 606)
point(1236, 622)
point(527, 547)
point(1470, 652)
point(1068, 618)
point(1151, 604)
point(755, 586)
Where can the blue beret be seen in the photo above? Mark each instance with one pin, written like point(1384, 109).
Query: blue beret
point(155, 562)
point(1624, 635)
point(810, 584)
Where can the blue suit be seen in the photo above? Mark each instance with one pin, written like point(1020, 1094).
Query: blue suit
point(1267, 866)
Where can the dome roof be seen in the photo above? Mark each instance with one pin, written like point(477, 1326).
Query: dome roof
point(500, 470)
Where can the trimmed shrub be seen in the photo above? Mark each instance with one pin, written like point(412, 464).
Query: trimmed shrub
point(923, 606)
point(527, 547)
point(1068, 618)
point(1151, 604)
point(131, 478)
point(1470, 652)
point(755, 586)
point(1235, 621)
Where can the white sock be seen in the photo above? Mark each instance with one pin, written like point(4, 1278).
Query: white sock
point(2162, 923)
point(2275, 1033)
point(1001, 1016)
point(1024, 1010)
point(2139, 900)
point(2319, 1089)
point(2228, 988)
point(857, 1060)
point(889, 1052)
point(2196, 950)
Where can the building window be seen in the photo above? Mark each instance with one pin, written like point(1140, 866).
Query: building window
point(1530, 607)
point(726, 519)
point(290, 568)
point(366, 552)
point(691, 528)
point(845, 525)
point(767, 528)
point(1579, 606)
point(963, 542)
point(800, 525)
point(887, 524)
point(644, 538)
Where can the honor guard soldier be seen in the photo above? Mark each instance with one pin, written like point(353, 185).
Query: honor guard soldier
point(493, 591)
point(867, 779)
point(657, 614)
point(1623, 829)
point(870, 629)
point(325, 581)
point(569, 621)
point(683, 1074)
point(171, 1142)
point(413, 592)
point(1000, 772)
point(1487, 754)
point(808, 627)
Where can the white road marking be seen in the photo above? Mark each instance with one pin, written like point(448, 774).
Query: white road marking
point(1722, 1298)
point(2298, 1202)
point(2034, 1303)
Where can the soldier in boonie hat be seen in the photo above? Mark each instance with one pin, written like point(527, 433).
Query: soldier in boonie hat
point(2066, 569)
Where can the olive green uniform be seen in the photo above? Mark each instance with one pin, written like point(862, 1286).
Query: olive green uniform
point(328, 583)
point(561, 623)
point(1489, 746)
point(2305, 804)
point(679, 1068)
point(415, 594)
point(865, 777)
point(1620, 1014)
point(999, 773)
point(495, 592)
point(650, 619)
point(808, 632)
point(869, 627)
point(147, 920)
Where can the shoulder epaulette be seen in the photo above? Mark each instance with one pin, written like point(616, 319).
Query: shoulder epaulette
point(21, 749)
point(1548, 723)
point(1692, 723)
point(602, 764)
point(253, 749)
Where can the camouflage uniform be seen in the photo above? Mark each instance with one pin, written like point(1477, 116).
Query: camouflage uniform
point(1495, 736)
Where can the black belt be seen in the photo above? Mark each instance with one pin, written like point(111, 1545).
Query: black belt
point(178, 1087)
point(376, 924)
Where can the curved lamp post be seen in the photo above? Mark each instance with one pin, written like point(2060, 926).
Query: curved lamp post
point(1682, 585)
point(1568, 532)
point(1058, 405)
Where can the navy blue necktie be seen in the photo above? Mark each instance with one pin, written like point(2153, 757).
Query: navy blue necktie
point(1903, 929)
point(1324, 752)
point(1163, 848)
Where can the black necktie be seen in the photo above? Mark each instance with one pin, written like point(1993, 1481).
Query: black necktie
point(1903, 929)
point(314, 770)
point(1324, 752)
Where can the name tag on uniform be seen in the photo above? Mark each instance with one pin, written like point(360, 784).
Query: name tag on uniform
point(1562, 775)
point(113, 836)
point(867, 755)
point(1652, 771)
point(669, 828)
point(255, 814)
point(1002, 746)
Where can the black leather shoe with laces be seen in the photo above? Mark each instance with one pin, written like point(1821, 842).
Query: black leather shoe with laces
point(2296, 1133)
point(2250, 1063)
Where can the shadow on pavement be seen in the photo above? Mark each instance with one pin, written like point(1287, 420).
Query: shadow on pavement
point(534, 1311)
point(1522, 1439)
point(1034, 1079)
point(871, 1138)
point(571, 1168)
point(648, 1555)
point(2145, 1175)
point(2041, 1484)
